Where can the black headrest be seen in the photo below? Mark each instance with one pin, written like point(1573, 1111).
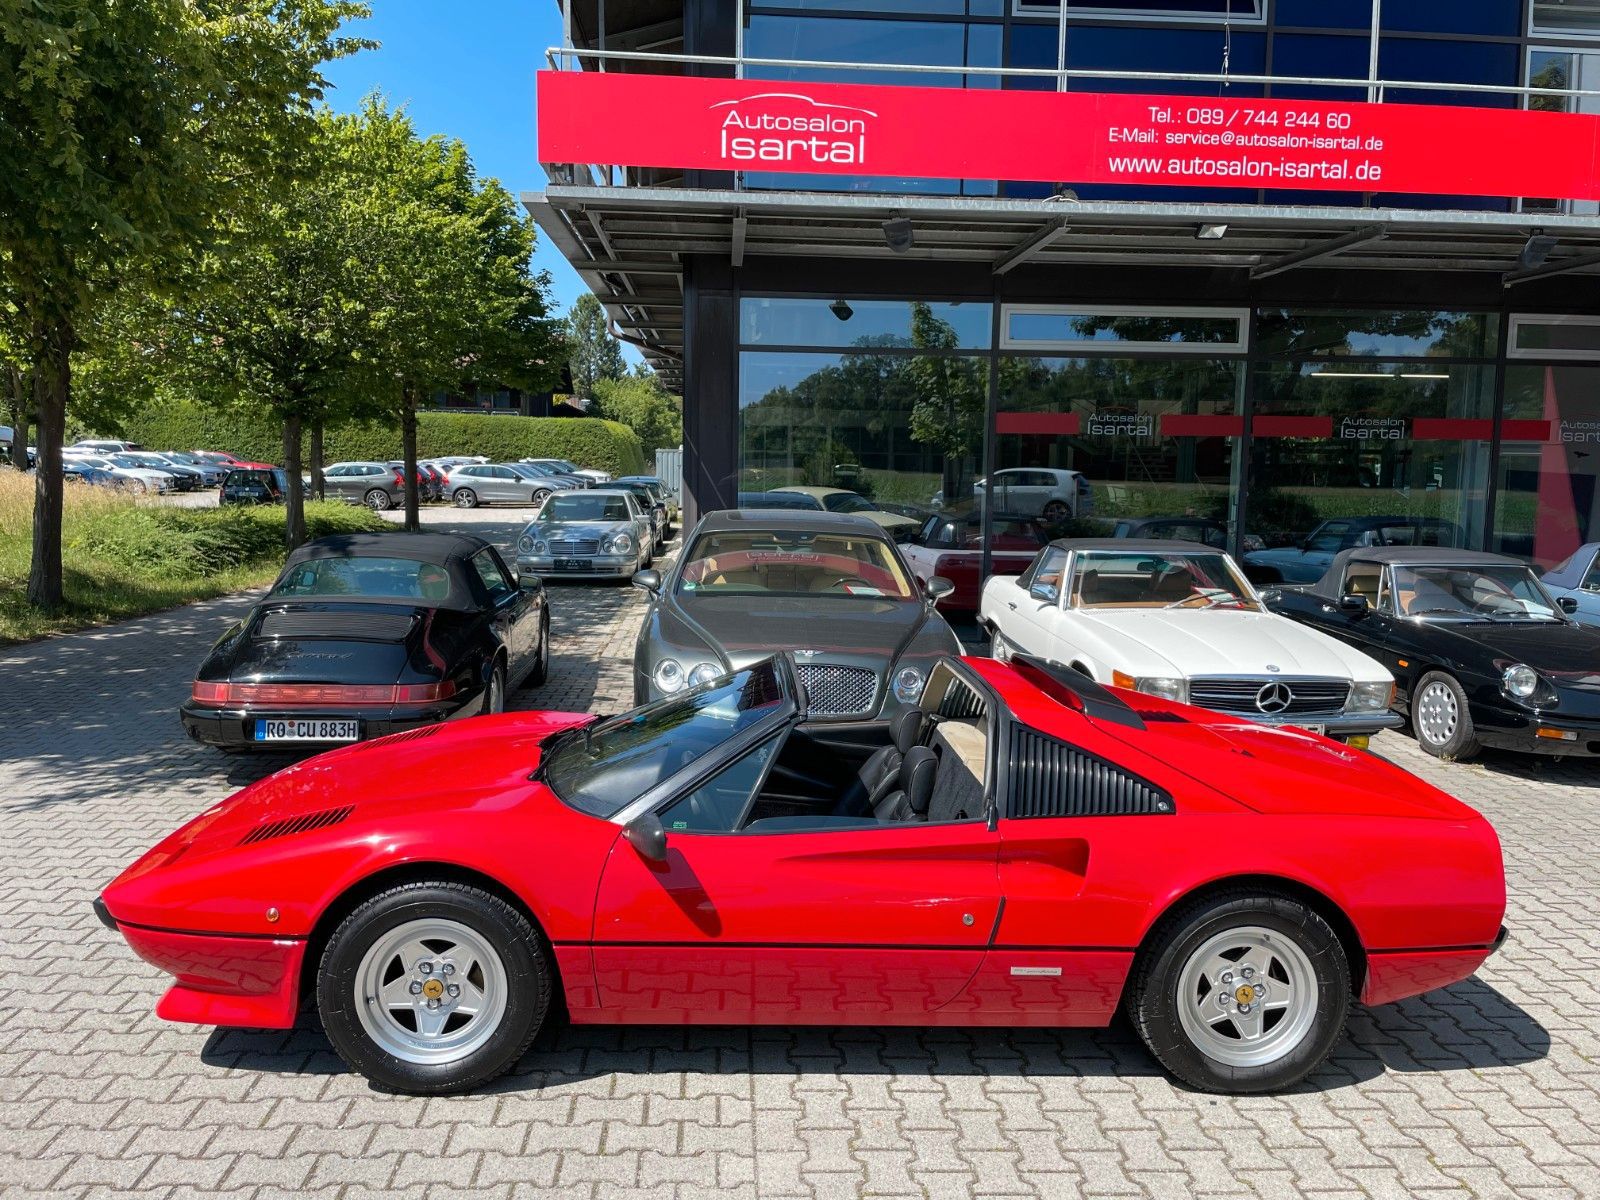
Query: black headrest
point(904, 728)
point(916, 777)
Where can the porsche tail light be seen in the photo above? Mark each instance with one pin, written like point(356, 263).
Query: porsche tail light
point(299, 695)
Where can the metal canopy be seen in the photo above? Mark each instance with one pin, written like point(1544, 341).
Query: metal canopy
point(628, 243)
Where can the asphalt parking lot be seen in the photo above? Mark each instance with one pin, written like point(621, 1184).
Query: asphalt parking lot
point(1490, 1088)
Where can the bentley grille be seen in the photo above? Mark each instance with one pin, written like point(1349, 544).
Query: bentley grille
point(838, 691)
point(572, 546)
point(1272, 698)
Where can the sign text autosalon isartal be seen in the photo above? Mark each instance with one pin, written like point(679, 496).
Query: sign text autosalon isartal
point(751, 137)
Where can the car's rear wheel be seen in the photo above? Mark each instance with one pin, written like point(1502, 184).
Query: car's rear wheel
point(434, 987)
point(379, 500)
point(1056, 511)
point(494, 695)
point(137, 487)
point(541, 664)
point(466, 498)
point(1242, 992)
point(1440, 719)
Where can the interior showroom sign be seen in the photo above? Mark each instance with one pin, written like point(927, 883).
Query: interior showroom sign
point(1078, 137)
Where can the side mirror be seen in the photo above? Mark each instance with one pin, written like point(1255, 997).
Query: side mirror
point(649, 581)
point(648, 836)
point(936, 589)
point(1569, 604)
point(529, 582)
point(1354, 604)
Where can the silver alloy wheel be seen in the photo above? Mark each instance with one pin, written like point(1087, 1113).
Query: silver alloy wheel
point(1247, 996)
point(997, 647)
point(1438, 715)
point(431, 991)
point(495, 702)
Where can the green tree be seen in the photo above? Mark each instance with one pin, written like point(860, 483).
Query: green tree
point(130, 130)
point(592, 353)
point(640, 402)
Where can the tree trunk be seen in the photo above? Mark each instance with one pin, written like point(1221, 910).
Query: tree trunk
point(52, 386)
point(295, 526)
point(21, 412)
point(316, 454)
point(408, 448)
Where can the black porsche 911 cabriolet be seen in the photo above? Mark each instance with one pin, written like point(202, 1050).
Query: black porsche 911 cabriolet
point(369, 634)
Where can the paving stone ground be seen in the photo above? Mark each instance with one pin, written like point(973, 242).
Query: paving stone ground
point(1487, 1089)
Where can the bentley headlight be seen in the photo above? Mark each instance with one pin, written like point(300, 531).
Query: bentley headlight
point(621, 543)
point(1370, 697)
point(908, 682)
point(1520, 680)
point(669, 676)
point(704, 673)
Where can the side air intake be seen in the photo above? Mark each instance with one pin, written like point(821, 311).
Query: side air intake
point(1052, 779)
point(293, 825)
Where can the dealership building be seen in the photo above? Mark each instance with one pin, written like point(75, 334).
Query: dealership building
point(1270, 262)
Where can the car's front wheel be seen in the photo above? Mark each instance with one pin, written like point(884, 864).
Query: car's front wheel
point(379, 500)
point(434, 987)
point(466, 498)
point(541, 495)
point(1440, 719)
point(1056, 511)
point(541, 664)
point(999, 648)
point(1242, 992)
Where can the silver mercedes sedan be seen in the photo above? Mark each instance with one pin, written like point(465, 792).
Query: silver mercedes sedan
point(599, 533)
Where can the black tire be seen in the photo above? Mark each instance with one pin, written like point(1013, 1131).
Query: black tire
point(529, 975)
point(465, 498)
point(379, 500)
point(1154, 990)
point(1056, 511)
point(540, 496)
point(541, 663)
point(997, 645)
point(494, 694)
point(1440, 719)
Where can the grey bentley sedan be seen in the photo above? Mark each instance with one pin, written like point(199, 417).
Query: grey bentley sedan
point(833, 589)
point(596, 534)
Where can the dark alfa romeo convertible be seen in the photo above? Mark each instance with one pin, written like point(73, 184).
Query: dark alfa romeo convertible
point(368, 634)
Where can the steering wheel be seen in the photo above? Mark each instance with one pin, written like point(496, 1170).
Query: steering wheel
point(843, 579)
point(1206, 601)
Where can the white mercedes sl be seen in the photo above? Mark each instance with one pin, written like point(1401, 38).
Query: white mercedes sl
point(1180, 621)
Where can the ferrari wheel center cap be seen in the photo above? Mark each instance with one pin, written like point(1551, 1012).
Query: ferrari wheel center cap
point(433, 989)
point(1244, 993)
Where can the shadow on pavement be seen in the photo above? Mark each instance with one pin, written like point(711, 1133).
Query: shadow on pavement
point(1467, 1027)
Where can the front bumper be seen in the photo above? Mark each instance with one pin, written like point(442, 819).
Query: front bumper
point(1340, 725)
point(1536, 733)
point(601, 566)
point(234, 728)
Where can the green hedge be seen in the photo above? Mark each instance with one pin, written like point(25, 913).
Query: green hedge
point(603, 445)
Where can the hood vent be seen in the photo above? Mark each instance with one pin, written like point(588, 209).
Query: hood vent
point(293, 825)
point(1052, 779)
point(347, 626)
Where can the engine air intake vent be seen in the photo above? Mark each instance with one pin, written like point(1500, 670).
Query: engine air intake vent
point(351, 626)
point(293, 825)
point(1053, 779)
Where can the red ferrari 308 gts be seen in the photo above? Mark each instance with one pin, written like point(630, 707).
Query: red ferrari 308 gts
point(1026, 849)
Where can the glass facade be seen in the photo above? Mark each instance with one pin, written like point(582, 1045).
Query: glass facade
point(1268, 427)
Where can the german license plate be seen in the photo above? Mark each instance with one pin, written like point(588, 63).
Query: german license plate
point(309, 729)
point(1315, 728)
point(574, 564)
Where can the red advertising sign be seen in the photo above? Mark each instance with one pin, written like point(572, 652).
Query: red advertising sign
point(1063, 137)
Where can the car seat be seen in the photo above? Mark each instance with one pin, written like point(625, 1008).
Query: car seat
point(880, 774)
point(909, 801)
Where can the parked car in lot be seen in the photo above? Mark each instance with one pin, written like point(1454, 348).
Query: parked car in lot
point(369, 634)
point(102, 446)
point(664, 496)
point(1180, 621)
point(1049, 492)
point(1308, 560)
point(841, 501)
point(430, 483)
point(1046, 853)
point(230, 461)
point(1575, 584)
point(1481, 653)
point(591, 534)
point(377, 485)
point(1205, 530)
point(559, 469)
point(184, 478)
point(80, 472)
point(832, 588)
point(949, 545)
point(797, 501)
point(254, 485)
point(130, 474)
point(211, 473)
point(651, 503)
point(499, 483)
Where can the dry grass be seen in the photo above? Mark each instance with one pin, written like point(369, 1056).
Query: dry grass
point(122, 558)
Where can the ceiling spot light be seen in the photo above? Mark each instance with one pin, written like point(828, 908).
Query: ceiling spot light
point(841, 310)
point(1062, 195)
point(1536, 251)
point(899, 234)
point(1211, 233)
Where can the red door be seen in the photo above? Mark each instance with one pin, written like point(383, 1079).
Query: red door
point(865, 925)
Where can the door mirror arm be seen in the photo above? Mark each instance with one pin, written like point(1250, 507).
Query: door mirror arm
point(647, 836)
point(1354, 604)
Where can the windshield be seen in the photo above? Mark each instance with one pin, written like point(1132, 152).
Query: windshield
point(583, 506)
point(847, 502)
point(530, 470)
point(127, 460)
point(1484, 593)
point(1194, 581)
point(388, 578)
point(785, 562)
point(603, 768)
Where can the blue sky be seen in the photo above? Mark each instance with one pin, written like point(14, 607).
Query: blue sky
point(464, 68)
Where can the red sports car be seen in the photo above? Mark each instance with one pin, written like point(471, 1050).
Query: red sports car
point(1026, 849)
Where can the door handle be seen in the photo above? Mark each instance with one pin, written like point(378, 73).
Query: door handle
point(1012, 605)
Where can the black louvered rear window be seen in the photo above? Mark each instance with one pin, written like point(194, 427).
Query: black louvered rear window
point(293, 825)
point(351, 626)
point(1052, 779)
point(960, 701)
